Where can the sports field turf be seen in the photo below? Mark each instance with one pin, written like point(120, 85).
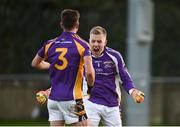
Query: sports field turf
point(24, 123)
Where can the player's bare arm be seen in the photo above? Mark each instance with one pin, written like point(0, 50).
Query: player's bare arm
point(39, 63)
point(89, 70)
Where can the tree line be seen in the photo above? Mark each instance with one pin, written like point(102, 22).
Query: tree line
point(25, 25)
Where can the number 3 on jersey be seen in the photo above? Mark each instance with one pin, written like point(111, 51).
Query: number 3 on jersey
point(61, 57)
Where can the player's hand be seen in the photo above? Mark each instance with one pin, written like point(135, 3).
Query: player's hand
point(41, 97)
point(138, 96)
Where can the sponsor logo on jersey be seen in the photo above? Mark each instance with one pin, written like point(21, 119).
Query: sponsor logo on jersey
point(65, 42)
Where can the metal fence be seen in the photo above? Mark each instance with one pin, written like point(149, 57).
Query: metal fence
point(17, 98)
point(165, 104)
point(17, 95)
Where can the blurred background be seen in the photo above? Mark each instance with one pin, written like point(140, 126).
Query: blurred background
point(26, 24)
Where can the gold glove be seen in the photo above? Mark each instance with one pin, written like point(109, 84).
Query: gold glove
point(138, 96)
point(41, 97)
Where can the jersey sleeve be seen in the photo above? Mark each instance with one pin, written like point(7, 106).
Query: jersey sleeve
point(87, 51)
point(41, 52)
point(127, 82)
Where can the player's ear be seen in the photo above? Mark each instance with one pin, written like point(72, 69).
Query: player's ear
point(61, 25)
point(77, 25)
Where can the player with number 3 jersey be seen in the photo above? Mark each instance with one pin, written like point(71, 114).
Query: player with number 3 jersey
point(66, 56)
point(66, 65)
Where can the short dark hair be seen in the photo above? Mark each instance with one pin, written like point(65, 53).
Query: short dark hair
point(70, 19)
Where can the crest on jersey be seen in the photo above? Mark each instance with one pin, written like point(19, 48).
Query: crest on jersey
point(108, 64)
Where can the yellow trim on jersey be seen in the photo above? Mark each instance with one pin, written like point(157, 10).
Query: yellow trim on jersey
point(46, 49)
point(77, 92)
point(75, 35)
point(78, 37)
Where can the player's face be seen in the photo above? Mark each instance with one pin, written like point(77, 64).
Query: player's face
point(97, 43)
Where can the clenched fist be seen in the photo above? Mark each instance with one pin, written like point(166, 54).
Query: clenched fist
point(41, 97)
point(138, 96)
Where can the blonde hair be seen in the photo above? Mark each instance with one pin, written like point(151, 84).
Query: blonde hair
point(98, 30)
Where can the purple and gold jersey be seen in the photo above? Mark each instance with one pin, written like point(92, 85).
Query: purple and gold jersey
point(110, 70)
point(65, 55)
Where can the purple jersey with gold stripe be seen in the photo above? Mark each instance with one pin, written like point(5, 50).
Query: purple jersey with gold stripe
point(110, 71)
point(65, 55)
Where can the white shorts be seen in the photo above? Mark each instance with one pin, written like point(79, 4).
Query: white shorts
point(63, 110)
point(110, 115)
